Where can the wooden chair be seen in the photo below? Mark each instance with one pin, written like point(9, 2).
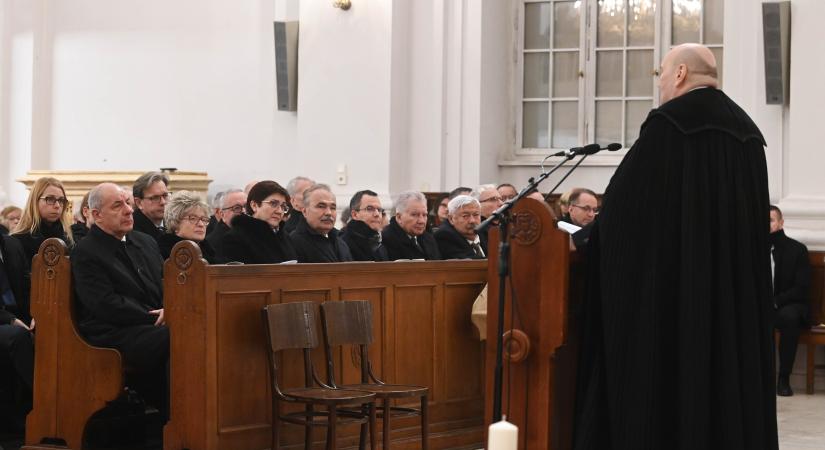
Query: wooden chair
point(811, 338)
point(350, 323)
point(292, 326)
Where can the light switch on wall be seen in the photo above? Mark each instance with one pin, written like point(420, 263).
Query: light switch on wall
point(341, 174)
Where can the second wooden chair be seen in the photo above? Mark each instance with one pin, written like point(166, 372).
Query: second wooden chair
point(350, 323)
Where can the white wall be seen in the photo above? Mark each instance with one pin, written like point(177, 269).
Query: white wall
point(404, 93)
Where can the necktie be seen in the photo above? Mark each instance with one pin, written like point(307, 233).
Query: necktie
point(477, 249)
point(414, 240)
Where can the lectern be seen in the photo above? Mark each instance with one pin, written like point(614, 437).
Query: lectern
point(540, 354)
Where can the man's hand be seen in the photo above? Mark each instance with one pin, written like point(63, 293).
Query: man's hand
point(161, 319)
point(31, 327)
point(21, 324)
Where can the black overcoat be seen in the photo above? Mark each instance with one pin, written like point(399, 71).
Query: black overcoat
point(253, 241)
point(312, 247)
point(676, 351)
point(364, 243)
point(400, 246)
point(453, 245)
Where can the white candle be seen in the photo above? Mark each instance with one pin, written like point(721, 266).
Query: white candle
point(502, 436)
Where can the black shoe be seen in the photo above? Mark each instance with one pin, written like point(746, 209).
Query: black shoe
point(783, 387)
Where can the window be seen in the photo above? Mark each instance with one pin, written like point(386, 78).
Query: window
point(588, 69)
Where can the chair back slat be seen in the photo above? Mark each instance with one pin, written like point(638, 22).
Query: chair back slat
point(291, 326)
point(347, 322)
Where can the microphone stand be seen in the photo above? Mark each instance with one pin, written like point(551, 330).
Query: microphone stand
point(503, 217)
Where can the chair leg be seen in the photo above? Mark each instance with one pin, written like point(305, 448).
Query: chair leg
point(276, 425)
point(332, 420)
point(373, 430)
point(809, 370)
point(386, 436)
point(362, 436)
point(425, 423)
point(308, 428)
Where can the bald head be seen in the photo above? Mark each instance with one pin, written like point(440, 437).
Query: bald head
point(684, 68)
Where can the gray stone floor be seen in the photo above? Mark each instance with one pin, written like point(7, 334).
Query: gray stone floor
point(801, 420)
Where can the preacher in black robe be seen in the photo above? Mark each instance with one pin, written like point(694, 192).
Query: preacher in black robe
point(676, 345)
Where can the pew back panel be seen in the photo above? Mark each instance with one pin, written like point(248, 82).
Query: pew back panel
point(219, 380)
point(72, 379)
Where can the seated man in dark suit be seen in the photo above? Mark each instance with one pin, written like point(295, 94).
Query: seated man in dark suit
point(583, 206)
point(457, 237)
point(315, 238)
point(16, 341)
point(791, 282)
point(117, 277)
point(151, 195)
point(406, 237)
point(363, 231)
point(231, 204)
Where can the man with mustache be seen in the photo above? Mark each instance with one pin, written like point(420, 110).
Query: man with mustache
point(315, 239)
point(457, 238)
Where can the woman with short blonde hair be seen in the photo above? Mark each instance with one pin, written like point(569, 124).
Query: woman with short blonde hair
point(186, 217)
point(9, 217)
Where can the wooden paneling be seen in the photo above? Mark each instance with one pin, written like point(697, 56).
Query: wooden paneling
point(421, 325)
point(817, 260)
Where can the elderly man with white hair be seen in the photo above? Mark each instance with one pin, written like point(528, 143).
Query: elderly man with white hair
point(406, 237)
point(457, 238)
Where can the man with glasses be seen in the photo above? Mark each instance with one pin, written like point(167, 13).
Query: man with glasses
point(490, 200)
point(151, 195)
point(315, 239)
point(231, 204)
point(406, 237)
point(457, 237)
point(363, 231)
point(583, 206)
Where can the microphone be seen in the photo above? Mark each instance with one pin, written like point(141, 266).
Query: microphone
point(575, 151)
point(612, 147)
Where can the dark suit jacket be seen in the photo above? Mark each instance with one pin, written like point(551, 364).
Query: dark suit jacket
point(453, 245)
point(252, 241)
point(216, 236)
point(145, 225)
point(364, 243)
point(400, 246)
point(295, 217)
point(115, 290)
point(16, 268)
point(315, 248)
point(792, 270)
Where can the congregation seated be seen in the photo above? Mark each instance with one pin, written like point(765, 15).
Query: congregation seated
point(583, 206)
point(315, 238)
point(151, 193)
point(295, 188)
point(438, 213)
point(229, 205)
point(457, 237)
point(507, 191)
point(791, 284)
point(490, 200)
point(45, 216)
point(16, 326)
point(117, 276)
point(363, 231)
point(83, 221)
point(9, 217)
point(406, 237)
point(186, 218)
point(258, 236)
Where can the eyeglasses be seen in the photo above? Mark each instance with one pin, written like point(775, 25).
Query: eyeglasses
point(491, 199)
point(51, 200)
point(507, 198)
point(237, 209)
point(371, 210)
point(275, 204)
point(195, 219)
point(157, 198)
point(325, 206)
point(588, 209)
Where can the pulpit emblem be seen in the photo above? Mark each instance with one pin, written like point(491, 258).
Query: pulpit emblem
point(526, 228)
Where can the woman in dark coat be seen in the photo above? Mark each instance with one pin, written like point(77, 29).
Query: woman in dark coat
point(186, 218)
point(257, 237)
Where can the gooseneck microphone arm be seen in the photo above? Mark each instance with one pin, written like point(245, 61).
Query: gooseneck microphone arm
point(611, 148)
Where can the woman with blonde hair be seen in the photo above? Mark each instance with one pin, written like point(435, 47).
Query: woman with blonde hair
point(9, 217)
point(46, 215)
point(186, 218)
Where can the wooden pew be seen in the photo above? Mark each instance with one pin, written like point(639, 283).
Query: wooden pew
point(72, 379)
point(220, 397)
point(816, 335)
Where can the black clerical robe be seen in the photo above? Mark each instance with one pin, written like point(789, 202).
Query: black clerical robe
point(676, 350)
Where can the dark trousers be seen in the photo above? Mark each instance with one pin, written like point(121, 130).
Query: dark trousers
point(145, 353)
point(17, 347)
point(790, 320)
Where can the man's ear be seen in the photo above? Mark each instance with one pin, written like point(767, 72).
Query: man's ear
point(681, 74)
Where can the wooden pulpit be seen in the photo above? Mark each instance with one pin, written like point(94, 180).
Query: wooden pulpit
point(539, 347)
